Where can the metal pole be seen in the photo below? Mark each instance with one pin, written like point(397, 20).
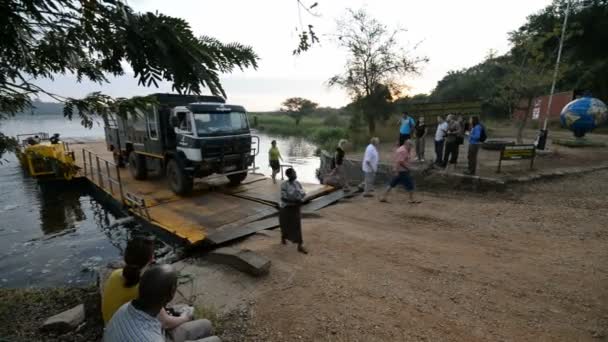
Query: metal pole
point(556, 70)
point(109, 177)
point(122, 197)
point(99, 172)
point(84, 162)
point(91, 167)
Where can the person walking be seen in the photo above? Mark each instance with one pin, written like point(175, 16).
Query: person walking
point(440, 134)
point(401, 168)
point(450, 157)
point(290, 220)
point(476, 137)
point(420, 131)
point(370, 166)
point(406, 125)
point(274, 159)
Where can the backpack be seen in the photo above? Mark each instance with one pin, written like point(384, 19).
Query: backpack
point(483, 136)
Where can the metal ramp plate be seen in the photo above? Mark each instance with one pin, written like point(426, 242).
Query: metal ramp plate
point(195, 218)
point(222, 236)
point(266, 192)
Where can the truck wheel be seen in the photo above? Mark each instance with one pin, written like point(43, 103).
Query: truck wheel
point(237, 178)
point(118, 160)
point(180, 182)
point(137, 166)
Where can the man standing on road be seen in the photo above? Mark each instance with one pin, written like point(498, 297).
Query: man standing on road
point(475, 140)
point(442, 129)
point(450, 157)
point(420, 139)
point(406, 125)
point(401, 169)
point(370, 166)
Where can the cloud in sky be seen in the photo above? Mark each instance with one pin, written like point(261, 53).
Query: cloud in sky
point(454, 35)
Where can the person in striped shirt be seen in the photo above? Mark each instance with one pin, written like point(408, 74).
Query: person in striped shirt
point(138, 320)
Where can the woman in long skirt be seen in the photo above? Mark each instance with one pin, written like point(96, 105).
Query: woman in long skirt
point(290, 218)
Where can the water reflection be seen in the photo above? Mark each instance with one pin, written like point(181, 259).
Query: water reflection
point(59, 207)
point(296, 151)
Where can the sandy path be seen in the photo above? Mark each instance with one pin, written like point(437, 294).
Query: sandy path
point(527, 265)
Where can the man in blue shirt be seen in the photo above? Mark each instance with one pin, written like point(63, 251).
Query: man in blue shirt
point(475, 140)
point(406, 125)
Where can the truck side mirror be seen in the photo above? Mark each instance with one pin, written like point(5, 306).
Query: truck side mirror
point(174, 121)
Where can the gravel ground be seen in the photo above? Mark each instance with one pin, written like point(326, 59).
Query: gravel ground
point(526, 265)
point(529, 264)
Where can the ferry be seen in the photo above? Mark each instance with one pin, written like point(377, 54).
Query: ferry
point(46, 157)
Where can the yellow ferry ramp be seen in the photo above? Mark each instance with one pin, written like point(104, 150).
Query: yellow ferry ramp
point(266, 192)
point(194, 218)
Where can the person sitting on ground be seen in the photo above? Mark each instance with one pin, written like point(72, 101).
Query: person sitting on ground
point(290, 217)
point(406, 125)
point(274, 159)
point(401, 168)
point(123, 284)
point(420, 130)
point(138, 320)
point(336, 177)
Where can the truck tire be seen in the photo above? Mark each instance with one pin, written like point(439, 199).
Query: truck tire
point(180, 182)
point(118, 160)
point(237, 178)
point(137, 166)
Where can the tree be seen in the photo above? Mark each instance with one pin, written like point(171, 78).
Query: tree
point(297, 107)
point(375, 66)
point(93, 39)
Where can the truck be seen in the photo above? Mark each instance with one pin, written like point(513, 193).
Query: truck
point(184, 137)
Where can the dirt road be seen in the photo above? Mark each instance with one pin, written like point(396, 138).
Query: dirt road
point(528, 265)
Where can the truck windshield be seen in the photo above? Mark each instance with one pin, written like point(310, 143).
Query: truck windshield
point(220, 123)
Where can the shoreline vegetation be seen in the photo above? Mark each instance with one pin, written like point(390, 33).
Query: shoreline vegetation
point(326, 130)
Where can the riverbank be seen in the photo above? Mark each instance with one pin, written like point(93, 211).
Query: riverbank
point(22, 312)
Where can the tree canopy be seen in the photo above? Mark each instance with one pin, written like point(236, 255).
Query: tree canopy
point(376, 64)
point(526, 67)
point(94, 39)
point(297, 107)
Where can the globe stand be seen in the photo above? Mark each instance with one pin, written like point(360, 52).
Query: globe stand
point(541, 139)
point(577, 142)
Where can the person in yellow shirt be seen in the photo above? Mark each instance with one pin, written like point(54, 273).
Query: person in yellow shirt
point(123, 284)
point(274, 157)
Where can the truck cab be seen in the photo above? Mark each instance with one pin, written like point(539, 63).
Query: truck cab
point(189, 136)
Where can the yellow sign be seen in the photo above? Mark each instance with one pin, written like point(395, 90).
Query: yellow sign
point(517, 152)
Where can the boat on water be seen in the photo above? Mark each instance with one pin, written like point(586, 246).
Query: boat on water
point(46, 157)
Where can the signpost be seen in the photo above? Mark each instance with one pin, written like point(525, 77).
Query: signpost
point(517, 152)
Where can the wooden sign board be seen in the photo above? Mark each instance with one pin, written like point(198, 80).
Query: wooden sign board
point(517, 152)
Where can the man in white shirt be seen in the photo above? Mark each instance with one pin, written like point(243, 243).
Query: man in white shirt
point(440, 134)
point(370, 166)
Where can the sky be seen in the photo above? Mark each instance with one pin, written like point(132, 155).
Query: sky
point(452, 34)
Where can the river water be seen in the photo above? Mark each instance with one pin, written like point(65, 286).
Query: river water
point(53, 235)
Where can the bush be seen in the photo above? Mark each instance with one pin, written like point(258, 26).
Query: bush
point(332, 120)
